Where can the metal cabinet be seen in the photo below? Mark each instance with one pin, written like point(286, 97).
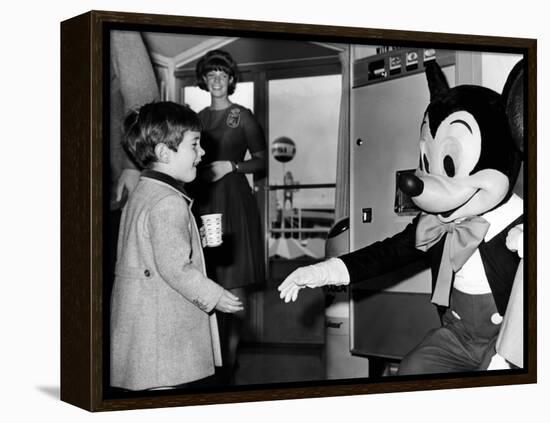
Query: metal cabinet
point(385, 126)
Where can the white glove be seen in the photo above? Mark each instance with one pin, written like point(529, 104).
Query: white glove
point(514, 240)
point(498, 363)
point(330, 272)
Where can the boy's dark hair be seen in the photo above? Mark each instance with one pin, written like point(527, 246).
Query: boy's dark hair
point(154, 123)
point(217, 60)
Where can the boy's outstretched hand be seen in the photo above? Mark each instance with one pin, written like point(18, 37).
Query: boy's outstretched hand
point(229, 303)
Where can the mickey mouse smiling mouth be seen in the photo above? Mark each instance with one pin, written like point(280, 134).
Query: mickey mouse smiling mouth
point(449, 181)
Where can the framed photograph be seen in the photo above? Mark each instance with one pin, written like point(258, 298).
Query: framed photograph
point(256, 211)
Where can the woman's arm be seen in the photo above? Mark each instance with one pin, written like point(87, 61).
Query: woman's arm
point(216, 170)
point(255, 164)
point(133, 84)
point(255, 143)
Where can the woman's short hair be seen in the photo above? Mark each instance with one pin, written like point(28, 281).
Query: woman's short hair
point(154, 123)
point(219, 60)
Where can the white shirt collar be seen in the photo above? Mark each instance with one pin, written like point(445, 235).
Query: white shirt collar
point(502, 216)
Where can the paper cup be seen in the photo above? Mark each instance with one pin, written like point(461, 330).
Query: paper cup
point(212, 224)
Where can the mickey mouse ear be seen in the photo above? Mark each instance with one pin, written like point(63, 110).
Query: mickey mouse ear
point(437, 82)
point(513, 95)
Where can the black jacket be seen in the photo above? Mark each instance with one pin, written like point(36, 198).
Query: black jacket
point(399, 250)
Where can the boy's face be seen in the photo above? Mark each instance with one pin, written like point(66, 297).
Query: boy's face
point(183, 162)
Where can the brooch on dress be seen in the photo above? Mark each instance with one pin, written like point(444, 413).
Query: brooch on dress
point(233, 118)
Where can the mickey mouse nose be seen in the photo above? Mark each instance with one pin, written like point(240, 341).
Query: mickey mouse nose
point(410, 184)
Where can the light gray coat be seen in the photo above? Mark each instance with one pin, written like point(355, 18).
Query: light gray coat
point(163, 329)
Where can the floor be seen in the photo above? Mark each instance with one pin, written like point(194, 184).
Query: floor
point(279, 363)
point(260, 364)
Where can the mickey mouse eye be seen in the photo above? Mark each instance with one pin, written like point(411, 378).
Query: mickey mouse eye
point(449, 166)
point(426, 164)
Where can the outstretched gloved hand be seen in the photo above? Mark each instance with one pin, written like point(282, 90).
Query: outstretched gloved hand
point(330, 272)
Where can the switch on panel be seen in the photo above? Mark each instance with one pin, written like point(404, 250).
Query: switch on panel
point(367, 215)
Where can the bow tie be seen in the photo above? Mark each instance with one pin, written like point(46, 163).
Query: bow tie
point(462, 240)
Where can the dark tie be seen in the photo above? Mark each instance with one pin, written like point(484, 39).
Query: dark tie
point(462, 240)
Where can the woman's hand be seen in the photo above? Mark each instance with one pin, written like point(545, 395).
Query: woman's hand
point(214, 171)
point(229, 303)
point(128, 180)
point(202, 233)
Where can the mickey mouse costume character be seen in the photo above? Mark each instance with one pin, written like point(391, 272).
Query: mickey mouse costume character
point(470, 155)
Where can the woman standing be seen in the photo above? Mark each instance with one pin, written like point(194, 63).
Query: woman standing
point(229, 131)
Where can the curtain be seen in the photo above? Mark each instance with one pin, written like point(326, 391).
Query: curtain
point(342, 156)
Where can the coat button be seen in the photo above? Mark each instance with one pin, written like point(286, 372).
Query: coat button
point(147, 273)
point(496, 319)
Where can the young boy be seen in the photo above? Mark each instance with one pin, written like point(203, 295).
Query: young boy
point(163, 333)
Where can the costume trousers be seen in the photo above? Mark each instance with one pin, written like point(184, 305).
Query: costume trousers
point(465, 342)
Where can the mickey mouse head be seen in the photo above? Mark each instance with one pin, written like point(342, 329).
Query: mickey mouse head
point(468, 158)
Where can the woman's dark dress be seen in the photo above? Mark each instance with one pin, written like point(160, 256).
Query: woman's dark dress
point(227, 135)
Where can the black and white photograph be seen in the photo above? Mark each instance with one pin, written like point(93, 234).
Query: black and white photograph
point(296, 211)
point(391, 174)
point(279, 211)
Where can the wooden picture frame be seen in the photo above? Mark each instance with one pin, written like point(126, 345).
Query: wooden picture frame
point(84, 190)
